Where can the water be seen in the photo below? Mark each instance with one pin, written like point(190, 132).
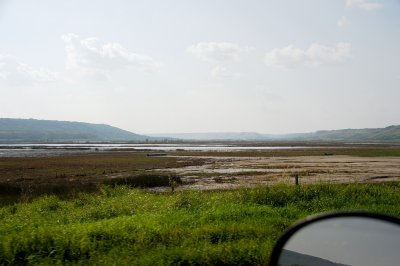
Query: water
point(33, 150)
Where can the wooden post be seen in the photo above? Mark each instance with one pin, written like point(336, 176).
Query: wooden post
point(172, 183)
point(296, 179)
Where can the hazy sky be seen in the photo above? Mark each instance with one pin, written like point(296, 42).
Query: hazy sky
point(202, 66)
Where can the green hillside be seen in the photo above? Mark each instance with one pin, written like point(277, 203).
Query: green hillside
point(387, 134)
point(32, 130)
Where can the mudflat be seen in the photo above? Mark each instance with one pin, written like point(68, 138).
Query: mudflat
point(232, 172)
point(28, 177)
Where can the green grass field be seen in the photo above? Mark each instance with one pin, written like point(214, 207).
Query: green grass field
point(123, 226)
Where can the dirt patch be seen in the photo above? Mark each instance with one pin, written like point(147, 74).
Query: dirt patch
point(232, 172)
point(62, 174)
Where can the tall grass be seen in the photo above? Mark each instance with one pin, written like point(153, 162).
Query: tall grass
point(25, 192)
point(128, 226)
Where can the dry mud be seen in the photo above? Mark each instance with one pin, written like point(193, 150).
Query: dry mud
point(234, 172)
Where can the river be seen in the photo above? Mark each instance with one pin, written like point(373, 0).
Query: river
point(34, 150)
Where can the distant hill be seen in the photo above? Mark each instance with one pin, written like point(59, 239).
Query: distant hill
point(32, 130)
point(289, 257)
point(388, 134)
point(214, 136)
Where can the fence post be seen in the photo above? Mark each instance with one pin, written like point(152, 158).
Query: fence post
point(296, 179)
point(172, 183)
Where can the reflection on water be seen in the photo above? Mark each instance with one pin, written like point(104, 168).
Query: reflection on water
point(30, 150)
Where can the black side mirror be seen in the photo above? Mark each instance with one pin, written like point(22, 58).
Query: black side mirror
point(349, 238)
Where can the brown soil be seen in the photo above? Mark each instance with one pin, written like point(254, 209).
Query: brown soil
point(233, 172)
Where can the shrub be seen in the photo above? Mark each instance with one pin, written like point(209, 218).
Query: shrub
point(143, 180)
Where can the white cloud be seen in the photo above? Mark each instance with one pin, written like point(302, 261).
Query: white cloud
point(223, 72)
point(342, 22)
point(314, 55)
point(15, 72)
point(91, 55)
point(367, 5)
point(215, 51)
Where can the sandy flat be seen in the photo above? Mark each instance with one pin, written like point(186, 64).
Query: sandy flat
point(231, 172)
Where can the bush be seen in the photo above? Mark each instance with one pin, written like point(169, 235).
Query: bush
point(143, 180)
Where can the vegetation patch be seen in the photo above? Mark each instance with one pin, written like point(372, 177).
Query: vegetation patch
point(148, 180)
point(127, 226)
point(22, 179)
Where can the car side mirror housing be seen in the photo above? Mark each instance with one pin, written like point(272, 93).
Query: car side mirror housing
point(347, 238)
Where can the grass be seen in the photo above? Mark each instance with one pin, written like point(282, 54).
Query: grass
point(83, 166)
point(122, 226)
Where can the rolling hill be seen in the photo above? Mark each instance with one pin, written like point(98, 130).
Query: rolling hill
point(240, 136)
point(387, 134)
point(32, 130)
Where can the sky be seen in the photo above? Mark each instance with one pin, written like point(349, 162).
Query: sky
point(202, 66)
